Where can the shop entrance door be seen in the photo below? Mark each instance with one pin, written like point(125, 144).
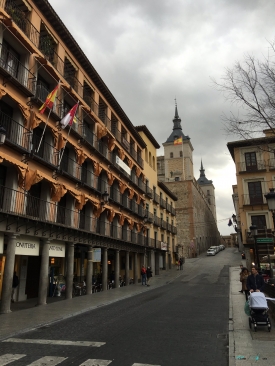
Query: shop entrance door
point(33, 273)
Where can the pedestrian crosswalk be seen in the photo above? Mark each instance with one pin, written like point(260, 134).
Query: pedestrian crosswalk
point(8, 358)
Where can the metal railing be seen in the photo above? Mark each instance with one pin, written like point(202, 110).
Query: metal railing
point(162, 203)
point(22, 204)
point(173, 211)
point(15, 132)
point(253, 199)
point(156, 198)
point(259, 165)
point(10, 63)
point(18, 16)
point(46, 151)
point(149, 192)
point(41, 94)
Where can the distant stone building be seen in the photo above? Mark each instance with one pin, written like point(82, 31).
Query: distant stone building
point(196, 208)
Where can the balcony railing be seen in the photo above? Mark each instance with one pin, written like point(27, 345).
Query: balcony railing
point(157, 221)
point(168, 207)
point(41, 94)
point(46, 152)
point(91, 103)
point(259, 165)
point(149, 192)
point(140, 161)
point(173, 211)
point(174, 229)
point(163, 224)
point(156, 198)
point(254, 199)
point(16, 134)
point(22, 204)
point(75, 84)
point(13, 67)
point(271, 163)
point(20, 19)
point(162, 203)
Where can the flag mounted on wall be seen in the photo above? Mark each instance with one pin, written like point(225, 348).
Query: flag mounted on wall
point(178, 141)
point(68, 119)
point(49, 102)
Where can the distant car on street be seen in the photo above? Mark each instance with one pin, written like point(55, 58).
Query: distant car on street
point(211, 252)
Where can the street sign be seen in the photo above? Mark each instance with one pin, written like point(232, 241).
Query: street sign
point(264, 240)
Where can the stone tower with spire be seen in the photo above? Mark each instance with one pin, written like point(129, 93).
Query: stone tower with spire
point(178, 153)
point(195, 208)
point(208, 190)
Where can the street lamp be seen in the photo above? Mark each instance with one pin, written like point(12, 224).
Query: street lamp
point(3, 133)
point(270, 199)
point(105, 198)
point(254, 233)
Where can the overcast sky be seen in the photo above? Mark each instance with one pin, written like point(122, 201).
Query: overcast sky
point(150, 51)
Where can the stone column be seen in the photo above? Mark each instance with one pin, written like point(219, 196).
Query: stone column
point(44, 274)
point(90, 268)
point(127, 268)
point(153, 261)
point(70, 271)
point(136, 269)
point(105, 269)
point(157, 263)
point(8, 276)
point(117, 269)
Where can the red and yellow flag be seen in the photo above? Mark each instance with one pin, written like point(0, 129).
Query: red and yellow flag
point(178, 141)
point(49, 100)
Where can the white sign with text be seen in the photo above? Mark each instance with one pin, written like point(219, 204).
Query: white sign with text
point(26, 245)
point(57, 249)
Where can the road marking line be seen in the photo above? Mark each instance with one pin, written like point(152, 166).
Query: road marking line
point(91, 362)
point(56, 342)
point(143, 364)
point(48, 360)
point(9, 357)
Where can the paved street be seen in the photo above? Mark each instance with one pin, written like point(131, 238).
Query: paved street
point(182, 323)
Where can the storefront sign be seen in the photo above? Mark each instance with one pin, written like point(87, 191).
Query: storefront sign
point(1, 243)
point(123, 165)
point(96, 257)
point(163, 246)
point(26, 245)
point(57, 249)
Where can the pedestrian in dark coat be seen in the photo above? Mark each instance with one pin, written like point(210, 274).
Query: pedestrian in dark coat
point(255, 282)
point(15, 283)
point(148, 274)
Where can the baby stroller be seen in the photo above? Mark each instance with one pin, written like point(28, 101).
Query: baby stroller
point(258, 311)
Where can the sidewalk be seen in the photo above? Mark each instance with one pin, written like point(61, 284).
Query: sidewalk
point(57, 309)
point(247, 347)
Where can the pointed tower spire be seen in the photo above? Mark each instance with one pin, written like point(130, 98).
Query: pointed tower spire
point(176, 120)
point(202, 170)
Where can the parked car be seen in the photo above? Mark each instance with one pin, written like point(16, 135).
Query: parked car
point(214, 248)
point(211, 252)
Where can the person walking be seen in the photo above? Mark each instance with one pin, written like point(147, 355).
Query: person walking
point(143, 275)
point(241, 268)
point(15, 283)
point(148, 275)
point(243, 278)
point(255, 282)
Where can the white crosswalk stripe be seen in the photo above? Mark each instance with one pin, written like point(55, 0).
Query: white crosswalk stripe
point(56, 342)
point(143, 364)
point(48, 360)
point(9, 357)
point(96, 363)
point(52, 360)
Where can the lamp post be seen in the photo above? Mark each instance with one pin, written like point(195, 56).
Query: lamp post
point(270, 199)
point(254, 233)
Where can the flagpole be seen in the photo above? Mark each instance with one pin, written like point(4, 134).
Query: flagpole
point(40, 142)
point(61, 156)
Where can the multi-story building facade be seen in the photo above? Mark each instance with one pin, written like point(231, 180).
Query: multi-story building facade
point(72, 199)
point(195, 208)
point(160, 207)
point(255, 167)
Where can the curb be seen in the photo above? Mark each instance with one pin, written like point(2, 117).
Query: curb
point(231, 350)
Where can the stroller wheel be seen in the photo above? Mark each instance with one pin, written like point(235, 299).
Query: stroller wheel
point(250, 323)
